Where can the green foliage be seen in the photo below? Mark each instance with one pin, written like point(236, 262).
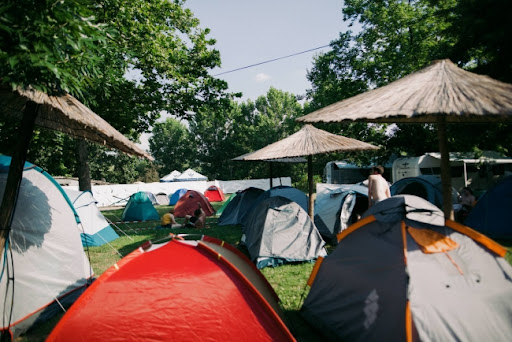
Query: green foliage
point(172, 146)
point(50, 45)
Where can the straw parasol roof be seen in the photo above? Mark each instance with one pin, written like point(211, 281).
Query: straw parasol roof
point(63, 113)
point(66, 114)
point(440, 93)
point(442, 88)
point(308, 141)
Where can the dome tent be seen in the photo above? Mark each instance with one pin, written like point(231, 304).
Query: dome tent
point(48, 260)
point(404, 273)
point(279, 231)
point(180, 290)
point(139, 208)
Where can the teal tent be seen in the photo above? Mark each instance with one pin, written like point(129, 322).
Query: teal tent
point(140, 208)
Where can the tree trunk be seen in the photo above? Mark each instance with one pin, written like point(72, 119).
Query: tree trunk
point(15, 176)
point(84, 174)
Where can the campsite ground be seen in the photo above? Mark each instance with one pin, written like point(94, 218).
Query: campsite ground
point(288, 281)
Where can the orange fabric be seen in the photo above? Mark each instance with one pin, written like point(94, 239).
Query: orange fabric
point(404, 240)
point(314, 272)
point(408, 322)
point(480, 238)
point(341, 235)
point(431, 241)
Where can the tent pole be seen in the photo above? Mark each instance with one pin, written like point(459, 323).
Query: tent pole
point(310, 183)
point(15, 174)
point(445, 168)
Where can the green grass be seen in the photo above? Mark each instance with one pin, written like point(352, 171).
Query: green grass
point(288, 280)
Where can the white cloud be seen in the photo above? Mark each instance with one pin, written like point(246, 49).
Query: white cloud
point(262, 77)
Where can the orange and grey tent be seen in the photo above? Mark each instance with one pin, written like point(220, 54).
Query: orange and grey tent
point(181, 290)
point(188, 203)
point(404, 273)
point(214, 194)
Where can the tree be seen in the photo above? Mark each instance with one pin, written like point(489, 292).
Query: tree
point(222, 135)
point(172, 146)
point(397, 38)
point(93, 49)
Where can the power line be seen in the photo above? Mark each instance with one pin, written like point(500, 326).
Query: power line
point(271, 60)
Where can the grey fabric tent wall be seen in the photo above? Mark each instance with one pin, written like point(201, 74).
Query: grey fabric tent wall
point(362, 288)
point(279, 231)
point(239, 206)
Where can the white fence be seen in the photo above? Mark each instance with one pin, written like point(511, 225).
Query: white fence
point(118, 194)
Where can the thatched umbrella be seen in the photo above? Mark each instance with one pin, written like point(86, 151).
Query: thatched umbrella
point(308, 141)
point(295, 160)
point(440, 93)
point(63, 113)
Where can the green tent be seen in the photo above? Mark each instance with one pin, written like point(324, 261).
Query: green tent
point(139, 208)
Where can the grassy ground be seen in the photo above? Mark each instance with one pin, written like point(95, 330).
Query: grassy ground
point(288, 281)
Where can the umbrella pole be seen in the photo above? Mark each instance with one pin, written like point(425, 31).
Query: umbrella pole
point(270, 168)
point(15, 174)
point(310, 183)
point(445, 168)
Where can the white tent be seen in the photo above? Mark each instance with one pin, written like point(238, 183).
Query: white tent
point(171, 177)
point(190, 175)
point(45, 258)
point(96, 230)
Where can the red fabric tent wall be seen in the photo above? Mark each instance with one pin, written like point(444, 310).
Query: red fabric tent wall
point(180, 291)
point(214, 194)
point(187, 204)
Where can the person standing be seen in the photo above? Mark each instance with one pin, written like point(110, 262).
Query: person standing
point(378, 187)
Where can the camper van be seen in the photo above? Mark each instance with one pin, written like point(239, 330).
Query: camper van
point(466, 170)
point(342, 172)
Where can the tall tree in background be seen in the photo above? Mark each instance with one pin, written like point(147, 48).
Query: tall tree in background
point(222, 135)
point(397, 38)
point(126, 59)
point(172, 146)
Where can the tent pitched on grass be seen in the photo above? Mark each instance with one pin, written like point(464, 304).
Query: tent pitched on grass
point(214, 194)
point(173, 199)
point(139, 208)
point(425, 186)
point(337, 207)
point(237, 208)
point(177, 291)
point(492, 214)
point(404, 273)
point(44, 261)
point(279, 231)
point(187, 204)
point(96, 230)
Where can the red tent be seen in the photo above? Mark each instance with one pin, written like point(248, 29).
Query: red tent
point(187, 204)
point(214, 194)
point(177, 291)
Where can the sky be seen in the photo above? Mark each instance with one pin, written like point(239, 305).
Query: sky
point(252, 32)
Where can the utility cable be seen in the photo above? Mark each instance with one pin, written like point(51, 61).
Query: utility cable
point(271, 60)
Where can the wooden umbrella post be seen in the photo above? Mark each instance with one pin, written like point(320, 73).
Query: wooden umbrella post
point(311, 207)
point(15, 174)
point(445, 168)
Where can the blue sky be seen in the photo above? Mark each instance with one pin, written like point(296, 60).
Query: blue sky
point(250, 32)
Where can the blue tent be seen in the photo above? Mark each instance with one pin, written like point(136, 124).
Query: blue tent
point(140, 208)
point(427, 187)
point(239, 206)
point(492, 213)
point(177, 195)
point(291, 193)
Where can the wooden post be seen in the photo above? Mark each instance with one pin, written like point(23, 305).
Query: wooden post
point(15, 175)
point(446, 177)
point(311, 207)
